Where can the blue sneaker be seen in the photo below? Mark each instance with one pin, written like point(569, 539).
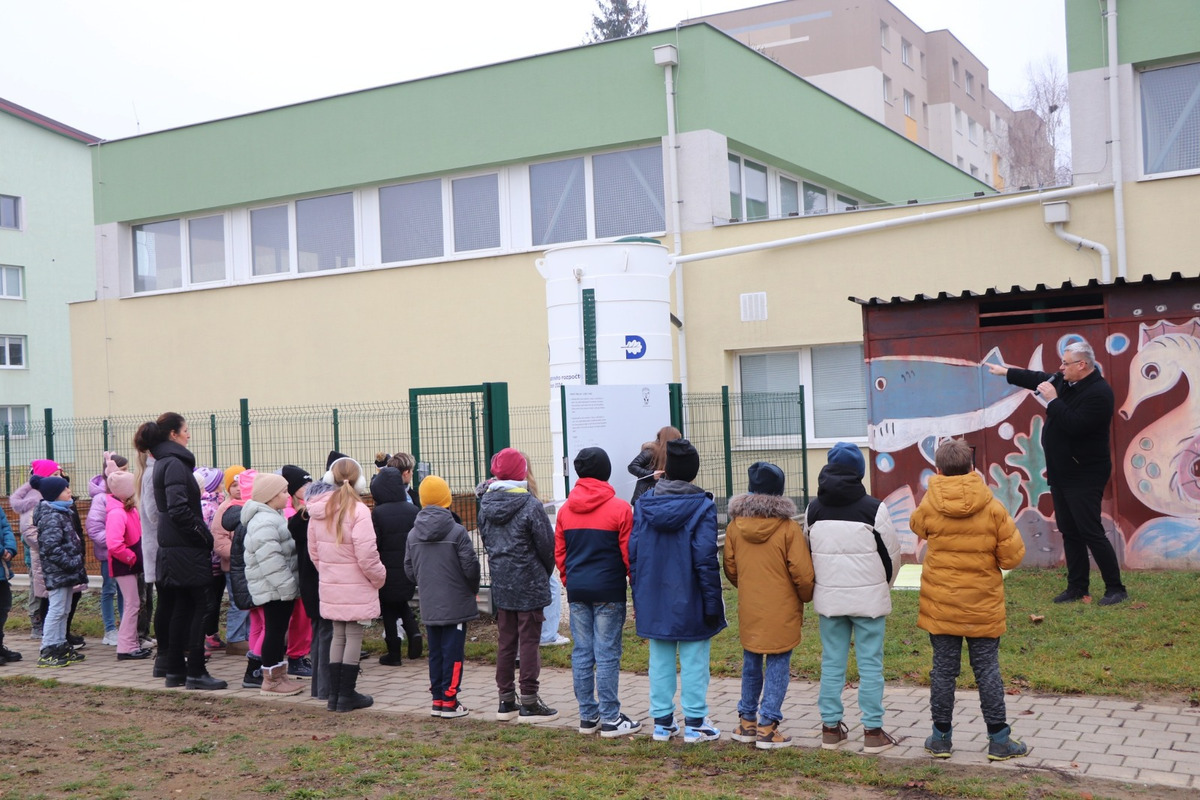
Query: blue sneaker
point(663, 733)
point(704, 732)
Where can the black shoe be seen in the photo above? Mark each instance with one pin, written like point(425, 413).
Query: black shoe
point(136, 655)
point(160, 666)
point(76, 641)
point(391, 659)
point(334, 676)
point(508, 710)
point(1112, 598)
point(537, 711)
point(9, 655)
point(349, 698)
point(414, 647)
point(206, 682)
point(253, 678)
point(175, 681)
point(1069, 596)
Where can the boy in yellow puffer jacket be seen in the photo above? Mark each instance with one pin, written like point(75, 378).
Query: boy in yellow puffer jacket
point(970, 537)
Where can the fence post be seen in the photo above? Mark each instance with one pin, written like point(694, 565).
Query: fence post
point(496, 431)
point(475, 443)
point(414, 435)
point(803, 448)
point(50, 433)
point(337, 445)
point(675, 402)
point(728, 441)
point(104, 429)
point(244, 412)
point(212, 430)
point(7, 463)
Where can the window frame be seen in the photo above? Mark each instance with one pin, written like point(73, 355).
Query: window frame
point(906, 52)
point(18, 206)
point(185, 254)
point(293, 270)
point(885, 36)
point(6, 419)
point(4, 345)
point(20, 272)
point(908, 104)
point(969, 83)
point(887, 90)
point(1143, 175)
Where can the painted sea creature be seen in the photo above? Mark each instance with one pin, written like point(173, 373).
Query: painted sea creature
point(900, 505)
point(917, 400)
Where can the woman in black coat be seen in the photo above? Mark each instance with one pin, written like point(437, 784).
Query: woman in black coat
point(184, 561)
point(393, 517)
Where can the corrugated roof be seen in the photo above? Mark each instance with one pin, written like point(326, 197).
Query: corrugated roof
point(41, 120)
point(1094, 283)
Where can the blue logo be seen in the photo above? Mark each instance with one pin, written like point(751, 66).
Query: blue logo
point(635, 346)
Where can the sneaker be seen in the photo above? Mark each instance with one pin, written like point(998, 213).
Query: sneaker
point(663, 733)
point(621, 726)
point(704, 732)
point(1112, 598)
point(74, 655)
point(558, 640)
point(212, 643)
point(939, 745)
point(769, 737)
point(76, 641)
point(876, 740)
point(537, 711)
point(300, 667)
point(453, 708)
point(136, 655)
point(508, 710)
point(436, 709)
point(832, 737)
point(110, 639)
point(589, 726)
point(9, 655)
point(1069, 596)
point(746, 731)
point(52, 658)
point(1003, 746)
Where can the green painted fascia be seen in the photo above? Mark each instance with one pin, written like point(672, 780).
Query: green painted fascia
point(769, 112)
point(1148, 31)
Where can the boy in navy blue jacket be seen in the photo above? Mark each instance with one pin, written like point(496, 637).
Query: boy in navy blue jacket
point(591, 547)
point(8, 549)
point(676, 580)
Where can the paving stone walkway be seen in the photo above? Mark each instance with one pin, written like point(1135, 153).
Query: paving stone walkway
point(1093, 736)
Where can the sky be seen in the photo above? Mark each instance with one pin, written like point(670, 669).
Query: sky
point(123, 67)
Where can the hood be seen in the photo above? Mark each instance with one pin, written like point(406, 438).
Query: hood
point(668, 513)
point(499, 505)
point(839, 485)
point(958, 495)
point(25, 499)
point(389, 487)
point(253, 508)
point(589, 494)
point(762, 505)
point(97, 485)
point(318, 506)
point(168, 448)
point(433, 524)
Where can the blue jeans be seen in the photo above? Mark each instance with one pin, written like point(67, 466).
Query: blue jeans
point(778, 676)
point(596, 658)
point(109, 598)
point(868, 652)
point(693, 677)
point(237, 622)
point(54, 627)
point(553, 612)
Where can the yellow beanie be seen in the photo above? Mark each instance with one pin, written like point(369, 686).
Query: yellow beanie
point(435, 492)
point(232, 473)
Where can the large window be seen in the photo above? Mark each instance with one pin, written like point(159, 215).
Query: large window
point(410, 221)
point(747, 189)
point(17, 420)
point(834, 377)
point(12, 352)
point(628, 192)
point(10, 212)
point(816, 199)
point(325, 233)
point(11, 284)
point(1171, 119)
point(157, 256)
point(270, 251)
point(558, 201)
point(206, 248)
point(476, 204)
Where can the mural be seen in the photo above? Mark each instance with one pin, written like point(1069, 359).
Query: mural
point(1151, 510)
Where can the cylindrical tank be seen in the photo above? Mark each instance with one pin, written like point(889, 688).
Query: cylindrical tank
point(631, 283)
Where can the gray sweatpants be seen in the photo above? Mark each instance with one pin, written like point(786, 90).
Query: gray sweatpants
point(984, 655)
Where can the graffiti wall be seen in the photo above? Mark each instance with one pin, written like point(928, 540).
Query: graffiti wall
point(926, 363)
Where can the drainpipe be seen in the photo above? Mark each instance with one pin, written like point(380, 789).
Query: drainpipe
point(1114, 123)
point(1079, 241)
point(667, 56)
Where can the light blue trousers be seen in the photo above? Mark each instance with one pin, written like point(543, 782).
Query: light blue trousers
point(693, 678)
point(868, 652)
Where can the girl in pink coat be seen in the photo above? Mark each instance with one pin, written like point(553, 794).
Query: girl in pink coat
point(341, 542)
point(123, 536)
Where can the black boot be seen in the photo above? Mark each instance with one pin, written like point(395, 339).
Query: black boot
point(348, 698)
point(160, 665)
point(253, 677)
point(414, 647)
point(334, 680)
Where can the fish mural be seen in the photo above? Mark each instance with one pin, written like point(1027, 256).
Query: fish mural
point(919, 400)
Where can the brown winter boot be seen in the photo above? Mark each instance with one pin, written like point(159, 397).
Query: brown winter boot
point(276, 682)
point(770, 738)
point(746, 731)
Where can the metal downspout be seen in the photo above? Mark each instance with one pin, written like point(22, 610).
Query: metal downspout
point(1114, 123)
point(1079, 241)
point(677, 234)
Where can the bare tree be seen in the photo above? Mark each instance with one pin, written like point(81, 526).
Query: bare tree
point(1039, 136)
point(616, 20)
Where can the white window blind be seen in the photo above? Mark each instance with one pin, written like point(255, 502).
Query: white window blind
point(410, 221)
point(628, 190)
point(206, 248)
point(764, 376)
point(558, 201)
point(839, 395)
point(157, 256)
point(269, 240)
point(476, 212)
point(1171, 119)
point(325, 233)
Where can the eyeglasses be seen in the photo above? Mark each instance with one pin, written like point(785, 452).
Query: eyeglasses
point(1066, 363)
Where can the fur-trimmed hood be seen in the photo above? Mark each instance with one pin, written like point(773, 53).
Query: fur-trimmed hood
point(762, 505)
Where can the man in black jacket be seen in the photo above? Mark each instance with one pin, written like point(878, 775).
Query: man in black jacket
point(1075, 440)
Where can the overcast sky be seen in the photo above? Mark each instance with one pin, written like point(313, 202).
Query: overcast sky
point(121, 67)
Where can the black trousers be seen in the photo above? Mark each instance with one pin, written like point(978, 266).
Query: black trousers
point(146, 613)
point(1077, 513)
point(185, 627)
point(212, 612)
point(391, 613)
point(276, 616)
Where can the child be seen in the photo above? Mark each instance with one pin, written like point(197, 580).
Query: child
point(855, 556)
point(591, 548)
point(8, 549)
point(647, 466)
point(970, 537)
point(237, 620)
point(393, 518)
point(303, 489)
point(676, 579)
point(767, 559)
point(441, 560)
point(520, 547)
point(25, 501)
point(111, 603)
point(210, 480)
point(61, 552)
point(123, 550)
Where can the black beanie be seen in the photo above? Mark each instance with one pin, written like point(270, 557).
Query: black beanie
point(334, 455)
point(51, 487)
point(593, 462)
point(765, 478)
point(683, 462)
point(295, 477)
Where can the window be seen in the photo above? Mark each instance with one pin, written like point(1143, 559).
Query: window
point(17, 420)
point(10, 283)
point(10, 212)
point(475, 204)
point(410, 221)
point(974, 171)
point(922, 65)
point(954, 70)
point(1171, 119)
point(206, 248)
point(270, 250)
point(834, 377)
point(157, 256)
point(846, 203)
point(961, 164)
point(628, 192)
point(970, 85)
point(884, 35)
point(558, 201)
point(747, 189)
point(906, 53)
point(958, 119)
point(972, 130)
point(325, 233)
point(925, 114)
point(789, 197)
point(816, 199)
point(908, 104)
point(887, 90)
point(12, 352)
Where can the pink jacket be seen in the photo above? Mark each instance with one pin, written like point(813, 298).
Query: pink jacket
point(351, 573)
point(97, 516)
point(122, 530)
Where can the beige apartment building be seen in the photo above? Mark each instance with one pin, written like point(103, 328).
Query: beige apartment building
point(925, 85)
